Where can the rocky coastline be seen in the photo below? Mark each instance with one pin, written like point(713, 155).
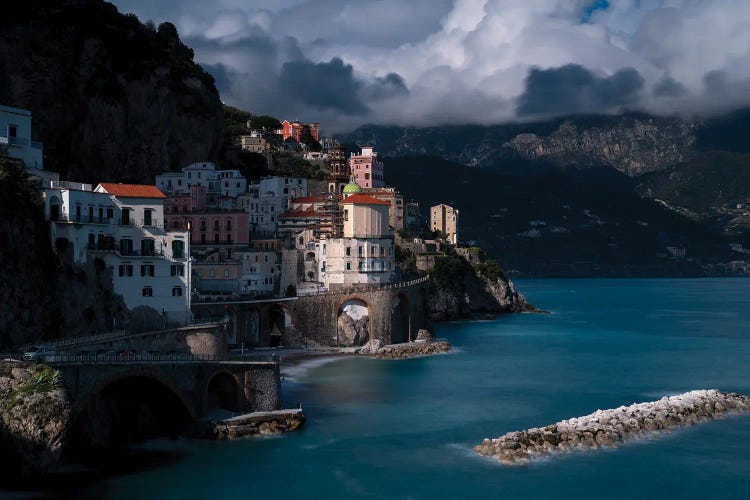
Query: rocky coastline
point(34, 414)
point(611, 428)
point(249, 424)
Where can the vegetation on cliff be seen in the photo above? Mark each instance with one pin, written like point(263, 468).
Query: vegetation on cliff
point(112, 98)
point(34, 414)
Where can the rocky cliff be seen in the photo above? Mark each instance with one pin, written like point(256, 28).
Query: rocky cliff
point(459, 290)
point(632, 146)
point(112, 99)
point(34, 413)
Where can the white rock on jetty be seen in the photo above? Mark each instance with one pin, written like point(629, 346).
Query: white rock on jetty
point(610, 428)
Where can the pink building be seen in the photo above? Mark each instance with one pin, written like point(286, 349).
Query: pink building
point(196, 201)
point(367, 170)
point(294, 130)
point(221, 228)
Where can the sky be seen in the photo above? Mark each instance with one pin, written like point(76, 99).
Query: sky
point(345, 63)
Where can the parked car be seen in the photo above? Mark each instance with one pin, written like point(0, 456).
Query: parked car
point(39, 353)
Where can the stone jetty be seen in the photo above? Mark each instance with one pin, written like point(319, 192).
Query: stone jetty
point(610, 428)
point(412, 349)
point(259, 422)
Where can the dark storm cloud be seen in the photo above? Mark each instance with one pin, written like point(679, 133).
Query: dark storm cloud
point(326, 85)
point(574, 89)
point(669, 87)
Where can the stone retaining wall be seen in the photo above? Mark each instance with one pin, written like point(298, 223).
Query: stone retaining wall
point(610, 428)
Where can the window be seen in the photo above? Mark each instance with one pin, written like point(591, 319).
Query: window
point(226, 273)
point(367, 175)
point(361, 251)
point(177, 270)
point(110, 213)
point(148, 291)
point(348, 251)
point(372, 251)
point(212, 273)
point(346, 214)
point(147, 269)
point(126, 270)
point(348, 266)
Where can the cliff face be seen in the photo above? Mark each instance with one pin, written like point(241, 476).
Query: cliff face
point(34, 414)
point(112, 99)
point(630, 146)
point(459, 291)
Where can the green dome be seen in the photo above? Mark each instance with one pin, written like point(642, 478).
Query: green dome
point(352, 188)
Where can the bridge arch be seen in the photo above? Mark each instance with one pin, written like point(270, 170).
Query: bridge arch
point(353, 321)
point(129, 406)
point(223, 392)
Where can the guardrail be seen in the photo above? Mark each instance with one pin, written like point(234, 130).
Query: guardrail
point(147, 358)
point(370, 287)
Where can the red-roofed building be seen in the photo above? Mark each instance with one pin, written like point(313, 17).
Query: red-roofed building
point(130, 190)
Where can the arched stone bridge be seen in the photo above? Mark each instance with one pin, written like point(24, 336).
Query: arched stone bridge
point(394, 314)
point(198, 386)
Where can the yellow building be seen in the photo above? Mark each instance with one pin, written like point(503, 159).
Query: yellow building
point(444, 218)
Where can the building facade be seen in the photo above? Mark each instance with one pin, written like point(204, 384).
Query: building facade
point(367, 169)
point(293, 130)
point(123, 226)
point(255, 143)
point(15, 138)
point(444, 218)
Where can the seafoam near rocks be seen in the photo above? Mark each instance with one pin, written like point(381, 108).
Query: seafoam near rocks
point(610, 428)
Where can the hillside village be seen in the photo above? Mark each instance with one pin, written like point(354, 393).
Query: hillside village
point(210, 234)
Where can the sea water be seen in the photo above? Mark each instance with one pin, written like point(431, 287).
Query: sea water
point(405, 429)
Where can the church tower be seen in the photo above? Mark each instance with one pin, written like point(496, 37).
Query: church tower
point(339, 175)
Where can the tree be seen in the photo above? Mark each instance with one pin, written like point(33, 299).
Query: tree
point(264, 123)
point(306, 138)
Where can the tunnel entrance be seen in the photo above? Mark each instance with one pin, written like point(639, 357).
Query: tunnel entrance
point(126, 411)
point(223, 393)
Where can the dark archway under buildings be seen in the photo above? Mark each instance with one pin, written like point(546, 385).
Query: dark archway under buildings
point(278, 318)
point(400, 319)
point(127, 410)
point(223, 393)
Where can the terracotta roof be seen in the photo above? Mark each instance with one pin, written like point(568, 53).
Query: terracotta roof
point(292, 214)
point(132, 190)
point(309, 199)
point(363, 199)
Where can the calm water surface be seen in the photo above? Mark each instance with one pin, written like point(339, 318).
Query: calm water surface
point(404, 429)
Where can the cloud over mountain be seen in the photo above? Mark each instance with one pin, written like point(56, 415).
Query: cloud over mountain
point(346, 62)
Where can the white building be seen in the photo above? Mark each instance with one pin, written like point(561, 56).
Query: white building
point(267, 199)
point(15, 137)
point(218, 183)
point(123, 225)
point(261, 272)
point(365, 253)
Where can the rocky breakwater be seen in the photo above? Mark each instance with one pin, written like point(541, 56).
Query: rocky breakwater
point(425, 345)
point(249, 424)
point(610, 428)
point(34, 414)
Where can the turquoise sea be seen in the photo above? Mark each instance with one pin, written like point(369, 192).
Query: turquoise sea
point(405, 429)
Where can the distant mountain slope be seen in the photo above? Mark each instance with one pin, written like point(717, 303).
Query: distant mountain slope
point(630, 143)
point(713, 187)
point(112, 99)
point(567, 222)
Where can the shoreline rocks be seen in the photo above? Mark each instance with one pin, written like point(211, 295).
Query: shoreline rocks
point(249, 424)
point(412, 349)
point(611, 428)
